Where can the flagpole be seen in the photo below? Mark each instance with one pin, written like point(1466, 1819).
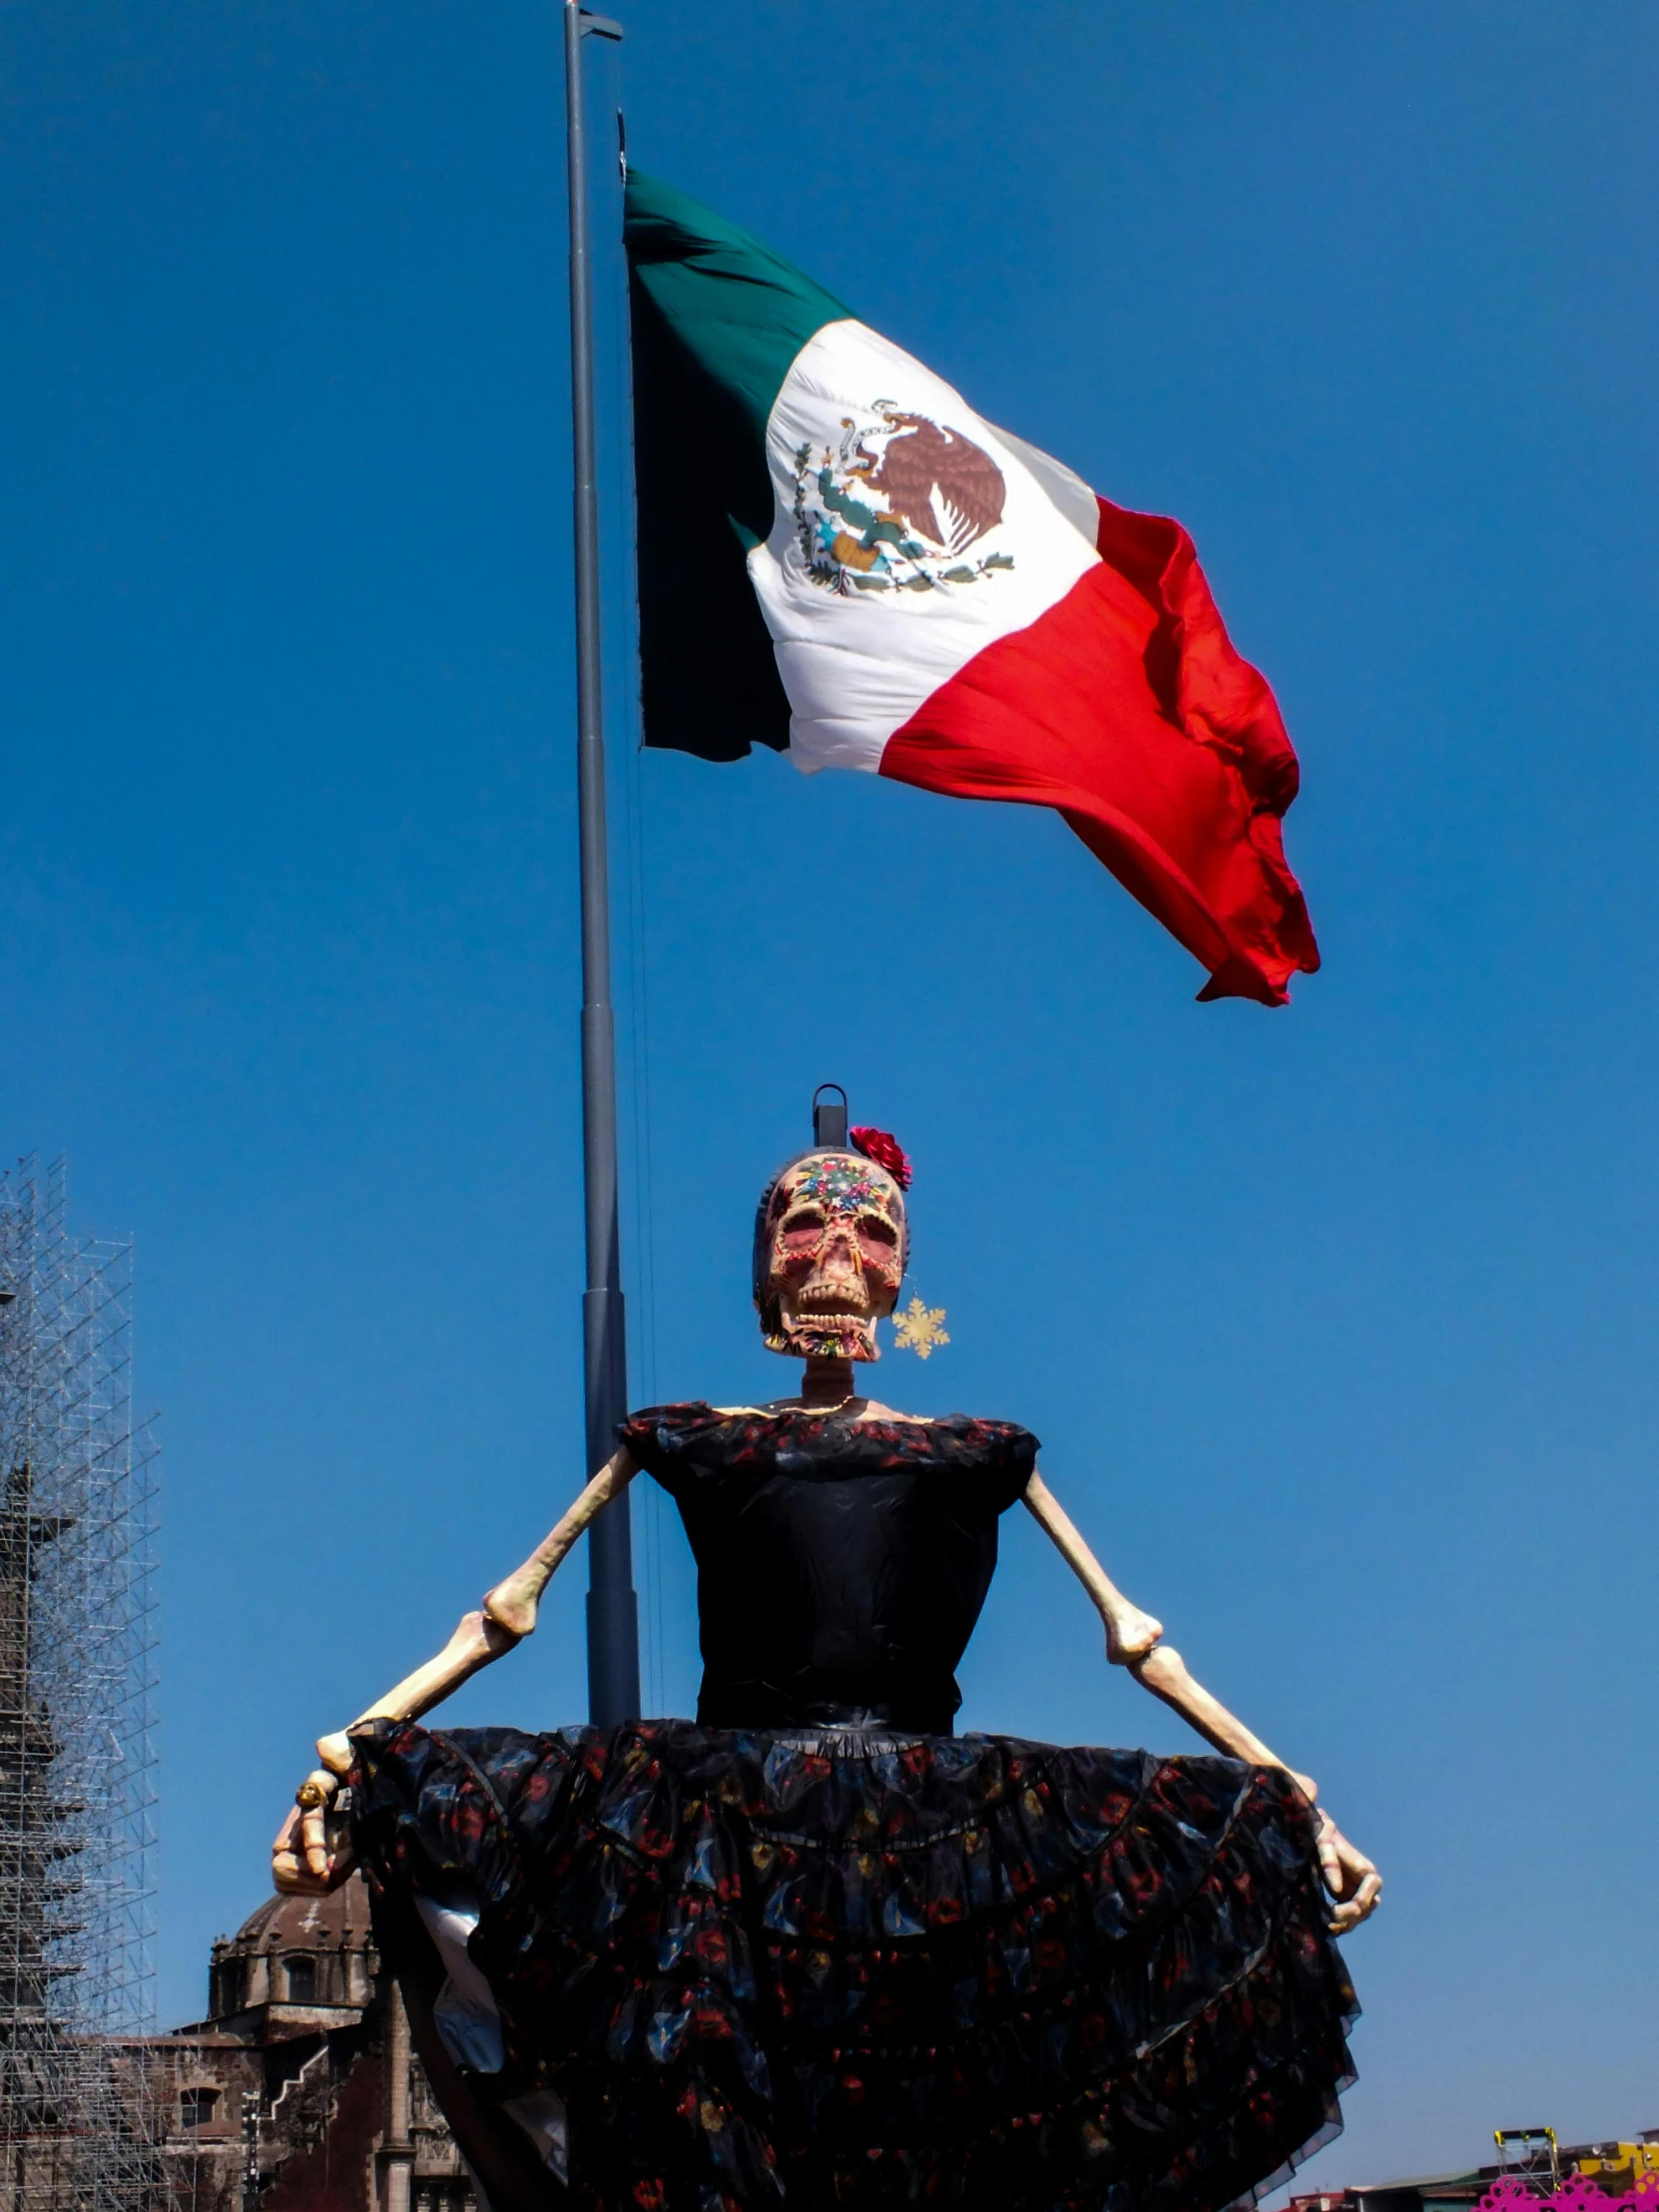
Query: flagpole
point(613, 1610)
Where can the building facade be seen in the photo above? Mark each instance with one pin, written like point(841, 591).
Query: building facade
point(298, 2092)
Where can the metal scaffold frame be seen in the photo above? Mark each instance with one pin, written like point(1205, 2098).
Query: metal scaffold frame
point(76, 1697)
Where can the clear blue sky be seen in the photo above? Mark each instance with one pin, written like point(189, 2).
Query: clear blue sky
point(1338, 1323)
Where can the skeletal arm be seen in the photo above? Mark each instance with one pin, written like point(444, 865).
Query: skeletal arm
point(1133, 1640)
point(1130, 1633)
point(310, 1851)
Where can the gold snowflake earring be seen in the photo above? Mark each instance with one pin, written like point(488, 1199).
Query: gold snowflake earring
point(918, 1328)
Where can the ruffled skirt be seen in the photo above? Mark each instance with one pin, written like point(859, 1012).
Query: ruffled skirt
point(712, 1970)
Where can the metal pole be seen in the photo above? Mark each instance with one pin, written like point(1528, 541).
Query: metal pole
point(613, 1611)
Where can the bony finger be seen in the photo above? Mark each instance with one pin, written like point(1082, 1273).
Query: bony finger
point(313, 1842)
point(1359, 1907)
point(288, 1875)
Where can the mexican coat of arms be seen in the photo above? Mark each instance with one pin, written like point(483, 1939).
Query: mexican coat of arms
point(898, 505)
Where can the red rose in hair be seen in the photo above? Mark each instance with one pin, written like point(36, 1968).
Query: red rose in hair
point(886, 1151)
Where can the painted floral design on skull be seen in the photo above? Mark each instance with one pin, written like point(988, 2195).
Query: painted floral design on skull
point(830, 1257)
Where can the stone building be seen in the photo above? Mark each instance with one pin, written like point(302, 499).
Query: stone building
point(299, 2092)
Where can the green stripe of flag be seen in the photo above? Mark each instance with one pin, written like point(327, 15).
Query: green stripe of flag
point(739, 309)
point(717, 319)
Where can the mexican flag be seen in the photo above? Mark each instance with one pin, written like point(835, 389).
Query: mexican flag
point(841, 559)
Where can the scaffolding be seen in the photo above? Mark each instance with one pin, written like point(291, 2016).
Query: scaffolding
point(77, 1692)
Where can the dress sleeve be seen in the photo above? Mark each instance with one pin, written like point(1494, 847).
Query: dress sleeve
point(659, 1438)
point(993, 1459)
point(1010, 1468)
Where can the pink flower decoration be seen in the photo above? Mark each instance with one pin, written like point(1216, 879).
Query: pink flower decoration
point(886, 1151)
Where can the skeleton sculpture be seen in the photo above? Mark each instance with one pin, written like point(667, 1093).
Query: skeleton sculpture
point(830, 1249)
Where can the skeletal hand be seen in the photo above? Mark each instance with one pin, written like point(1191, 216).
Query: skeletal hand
point(1350, 1876)
point(312, 1850)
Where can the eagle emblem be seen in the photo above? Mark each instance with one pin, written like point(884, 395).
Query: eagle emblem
point(898, 504)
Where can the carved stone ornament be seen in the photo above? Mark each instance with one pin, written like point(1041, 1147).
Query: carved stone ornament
point(835, 1248)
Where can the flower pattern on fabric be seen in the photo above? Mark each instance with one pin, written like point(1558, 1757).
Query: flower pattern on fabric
point(841, 1563)
point(780, 1971)
point(991, 1460)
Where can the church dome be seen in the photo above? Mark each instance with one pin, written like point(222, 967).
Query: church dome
point(297, 1961)
point(338, 1921)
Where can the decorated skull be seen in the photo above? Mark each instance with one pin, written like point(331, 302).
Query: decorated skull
point(831, 1244)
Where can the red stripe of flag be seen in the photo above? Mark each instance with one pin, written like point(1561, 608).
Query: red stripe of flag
point(1125, 707)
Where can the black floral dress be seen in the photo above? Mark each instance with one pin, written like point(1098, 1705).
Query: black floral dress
point(812, 1949)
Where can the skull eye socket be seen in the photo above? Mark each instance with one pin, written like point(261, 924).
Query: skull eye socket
point(875, 1229)
point(800, 1228)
